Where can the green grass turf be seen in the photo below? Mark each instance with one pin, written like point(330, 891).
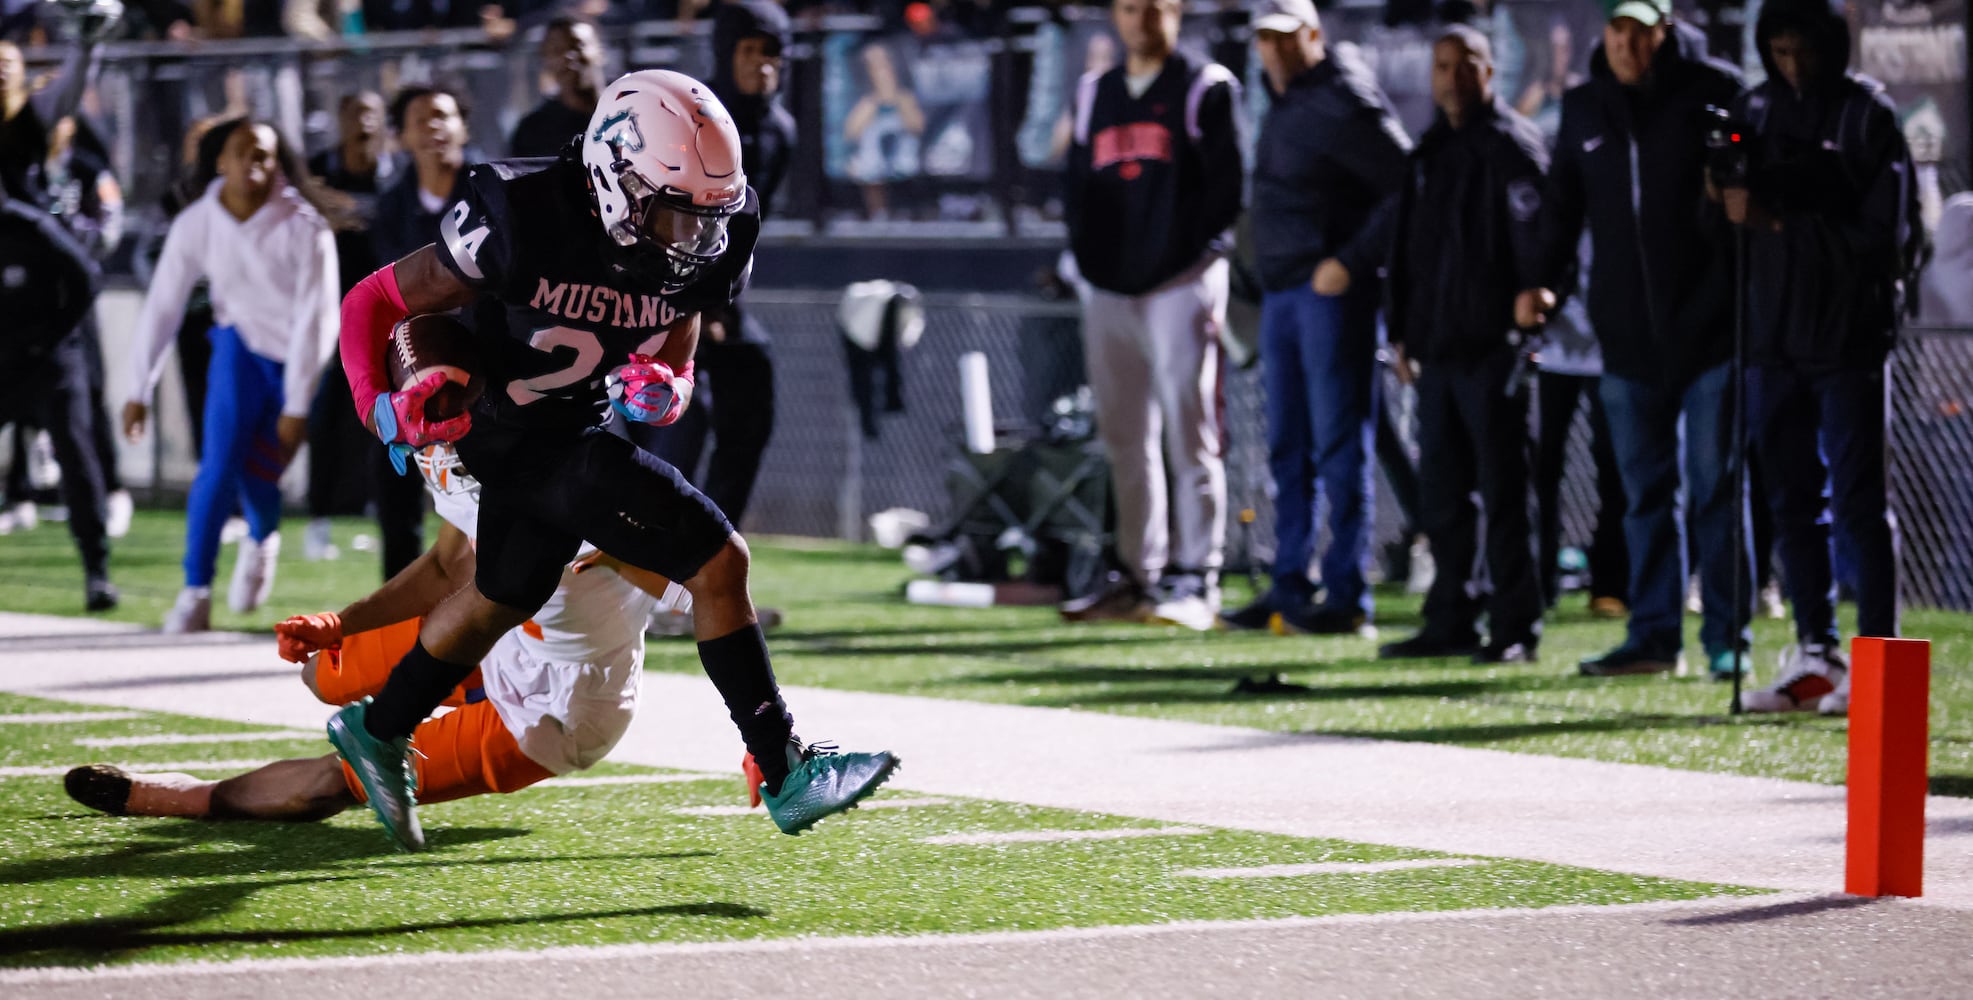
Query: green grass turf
point(614, 864)
point(849, 628)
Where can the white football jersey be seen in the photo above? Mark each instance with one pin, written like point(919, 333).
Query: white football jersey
point(565, 683)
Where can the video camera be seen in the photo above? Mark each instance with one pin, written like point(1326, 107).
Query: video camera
point(1729, 148)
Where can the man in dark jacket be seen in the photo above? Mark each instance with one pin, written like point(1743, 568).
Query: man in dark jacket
point(1829, 208)
point(572, 53)
point(48, 283)
point(734, 400)
point(1630, 160)
point(1151, 191)
point(1327, 168)
point(1467, 238)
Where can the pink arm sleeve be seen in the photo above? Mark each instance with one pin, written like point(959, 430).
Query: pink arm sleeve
point(370, 311)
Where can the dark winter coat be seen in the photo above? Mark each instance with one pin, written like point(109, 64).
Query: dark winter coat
point(1327, 167)
point(1631, 163)
point(1831, 165)
point(1468, 236)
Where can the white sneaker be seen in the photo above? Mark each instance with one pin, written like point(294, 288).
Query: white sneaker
point(316, 543)
point(1192, 612)
point(117, 511)
point(1836, 702)
point(1771, 603)
point(1694, 603)
point(669, 623)
point(233, 530)
point(253, 573)
point(23, 516)
point(1809, 673)
point(192, 612)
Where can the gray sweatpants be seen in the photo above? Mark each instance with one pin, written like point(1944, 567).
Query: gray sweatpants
point(1154, 366)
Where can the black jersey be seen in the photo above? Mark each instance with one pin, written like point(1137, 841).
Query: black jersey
point(556, 310)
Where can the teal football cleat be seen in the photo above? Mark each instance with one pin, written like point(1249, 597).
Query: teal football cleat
point(822, 783)
point(383, 767)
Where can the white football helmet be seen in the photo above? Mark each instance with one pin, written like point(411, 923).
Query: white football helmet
point(663, 160)
point(440, 465)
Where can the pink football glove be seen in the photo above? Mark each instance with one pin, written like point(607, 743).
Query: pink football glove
point(400, 421)
point(646, 390)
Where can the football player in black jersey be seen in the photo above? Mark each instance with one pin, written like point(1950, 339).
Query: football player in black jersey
point(583, 278)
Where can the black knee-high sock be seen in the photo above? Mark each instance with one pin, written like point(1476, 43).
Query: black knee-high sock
point(738, 666)
point(415, 687)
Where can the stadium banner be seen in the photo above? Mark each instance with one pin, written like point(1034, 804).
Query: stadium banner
point(1917, 49)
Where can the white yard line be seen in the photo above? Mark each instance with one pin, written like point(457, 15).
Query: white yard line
point(1331, 868)
point(806, 945)
point(176, 739)
point(1058, 836)
point(58, 718)
point(183, 765)
point(597, 780)
point(751, 810)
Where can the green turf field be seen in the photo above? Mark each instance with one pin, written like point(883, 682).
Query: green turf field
point(619, 864)
point(847, 627)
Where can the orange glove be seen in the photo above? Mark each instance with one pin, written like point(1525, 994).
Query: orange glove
point(305, 634)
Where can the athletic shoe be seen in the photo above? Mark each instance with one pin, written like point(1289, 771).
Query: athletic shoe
point(117, 511)
point(768, 618)
point(1836, 702)
point(1323, 621)
point(102, 787)
point(1771, 602)
point(317, 543)
point(1608, 607)
point(1120, 600)
point(1723, 664)
point(99, 594)
point(822, 783)
point(1695, 601)
point(192, 612)
point(1628, 660)
point(383, 768)
point(1427, 645)
point(23, 516)
point(1254, 617)
point(1188, 600)
point(668, 623)
point(253, 573)
point(1517, 651)
point(1809, 673)
point(233, 530)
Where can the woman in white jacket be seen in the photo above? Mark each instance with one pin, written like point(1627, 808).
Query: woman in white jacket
point(270, 262)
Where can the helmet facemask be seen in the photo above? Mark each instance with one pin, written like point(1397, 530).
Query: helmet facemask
point(665, 235)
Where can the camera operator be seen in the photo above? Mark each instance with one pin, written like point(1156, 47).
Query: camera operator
point(1630, 160)
point(1829, 210)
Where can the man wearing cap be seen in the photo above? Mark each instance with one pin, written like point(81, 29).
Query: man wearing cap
point(1467, 240)
point(1630, 162)
point(1327, 168)
point(1152, 187)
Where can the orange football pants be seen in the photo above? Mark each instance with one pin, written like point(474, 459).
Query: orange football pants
point(467, 751)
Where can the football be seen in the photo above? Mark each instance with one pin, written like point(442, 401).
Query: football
point(421, 345)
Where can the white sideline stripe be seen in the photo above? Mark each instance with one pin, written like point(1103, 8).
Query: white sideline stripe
point(154, 971)
point(624, 779)
point(1331, 868)
point(1059, 836)
point(176, 739)
point(39, 718)
point(750, 810)
point(183, 765)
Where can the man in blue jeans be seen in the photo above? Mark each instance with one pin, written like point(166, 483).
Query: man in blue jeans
point(1630, 163)
point(1326, 171)
point(1831, 215)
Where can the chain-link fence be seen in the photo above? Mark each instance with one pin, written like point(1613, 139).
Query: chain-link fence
point(823, 477)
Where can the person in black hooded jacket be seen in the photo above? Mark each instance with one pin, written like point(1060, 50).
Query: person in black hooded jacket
point(734, 401)
point(571, 53)
point(1630, 161)
point(1829, 208)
